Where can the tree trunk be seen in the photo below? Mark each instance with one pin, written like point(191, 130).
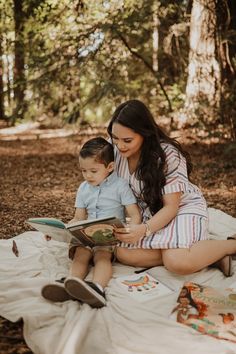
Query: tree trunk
point(19, 72)
point(203, 91)
point(155, 38)
point(2, 111)
point(155, 44)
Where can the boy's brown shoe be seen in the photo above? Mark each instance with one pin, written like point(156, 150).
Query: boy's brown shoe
point(56, 292)
point(85, 291)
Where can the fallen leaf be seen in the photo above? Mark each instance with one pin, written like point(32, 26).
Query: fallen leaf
point(35, 275)
point(15, 249)
point(48, 238)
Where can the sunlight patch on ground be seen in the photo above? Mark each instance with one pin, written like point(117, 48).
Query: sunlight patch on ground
point(19, 128)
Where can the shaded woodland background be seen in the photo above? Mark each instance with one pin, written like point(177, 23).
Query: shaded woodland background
point(65, 65)
point(65, 62)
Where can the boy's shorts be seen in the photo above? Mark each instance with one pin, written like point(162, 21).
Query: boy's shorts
point(75, 243)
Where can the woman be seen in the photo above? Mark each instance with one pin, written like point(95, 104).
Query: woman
point(174, 230)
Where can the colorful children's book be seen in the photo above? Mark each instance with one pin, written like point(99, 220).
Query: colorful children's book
point(208, 310)
point(97, 232)
point(142, 287)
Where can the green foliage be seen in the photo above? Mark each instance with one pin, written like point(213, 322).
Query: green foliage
point(82, 57)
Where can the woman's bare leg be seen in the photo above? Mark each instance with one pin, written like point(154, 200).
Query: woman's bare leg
point(200, 255)
point(139, 257)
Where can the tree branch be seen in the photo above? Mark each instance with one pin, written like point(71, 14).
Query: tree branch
point(146, 63)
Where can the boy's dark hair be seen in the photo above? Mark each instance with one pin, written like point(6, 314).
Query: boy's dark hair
point(100, 149)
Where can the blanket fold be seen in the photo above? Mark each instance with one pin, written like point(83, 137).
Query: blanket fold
point(124, 326)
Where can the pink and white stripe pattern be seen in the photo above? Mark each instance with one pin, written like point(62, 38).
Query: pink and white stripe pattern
point(191, 223)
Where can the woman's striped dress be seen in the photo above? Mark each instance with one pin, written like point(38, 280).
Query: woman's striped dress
point(191, 223)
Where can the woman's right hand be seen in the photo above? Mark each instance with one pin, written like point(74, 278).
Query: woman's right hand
point(136, 233)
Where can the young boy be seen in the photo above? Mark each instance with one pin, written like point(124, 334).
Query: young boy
point(102, 194)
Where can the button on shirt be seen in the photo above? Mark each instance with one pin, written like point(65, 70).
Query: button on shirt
point(107, 199)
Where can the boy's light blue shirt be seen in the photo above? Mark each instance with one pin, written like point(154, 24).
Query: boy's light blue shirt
point(107, 199)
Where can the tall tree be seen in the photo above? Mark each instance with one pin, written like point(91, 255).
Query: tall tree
point(2, 111)
point(155, 36)
point(204, 73)
point(19, 68)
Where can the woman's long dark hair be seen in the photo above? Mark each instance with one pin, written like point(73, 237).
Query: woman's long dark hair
point(134, 115)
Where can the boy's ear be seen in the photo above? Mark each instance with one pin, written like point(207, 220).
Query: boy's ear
point(111, 166)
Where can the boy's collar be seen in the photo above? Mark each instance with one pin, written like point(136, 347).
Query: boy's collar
point(109, 178)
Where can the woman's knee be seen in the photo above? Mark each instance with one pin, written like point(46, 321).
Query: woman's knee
point(125, 256)
point(177, 263)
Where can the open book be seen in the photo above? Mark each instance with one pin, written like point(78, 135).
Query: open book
point(97, 232)
point(208, 310)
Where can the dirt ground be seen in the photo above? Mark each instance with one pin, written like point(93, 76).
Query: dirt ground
point(39, 177)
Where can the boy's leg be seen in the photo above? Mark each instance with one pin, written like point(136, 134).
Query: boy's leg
point(56, 291)
point(92, 293)
point(80, 264)
point(102, 272)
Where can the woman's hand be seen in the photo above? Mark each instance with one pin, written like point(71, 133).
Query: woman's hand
point(136, 233)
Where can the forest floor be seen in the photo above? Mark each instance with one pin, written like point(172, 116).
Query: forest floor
point(40, 174)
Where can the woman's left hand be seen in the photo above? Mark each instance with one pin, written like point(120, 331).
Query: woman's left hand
point(136, 233)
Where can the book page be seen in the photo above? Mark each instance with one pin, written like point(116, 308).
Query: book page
point(82, 223)
point(46, 221)
point(57, 233)
point(97, 232)
point(142, 287)
point(88, 232)
point(95, 235)
point(208, 310)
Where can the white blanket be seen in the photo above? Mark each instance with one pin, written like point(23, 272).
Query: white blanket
point(124, 326)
